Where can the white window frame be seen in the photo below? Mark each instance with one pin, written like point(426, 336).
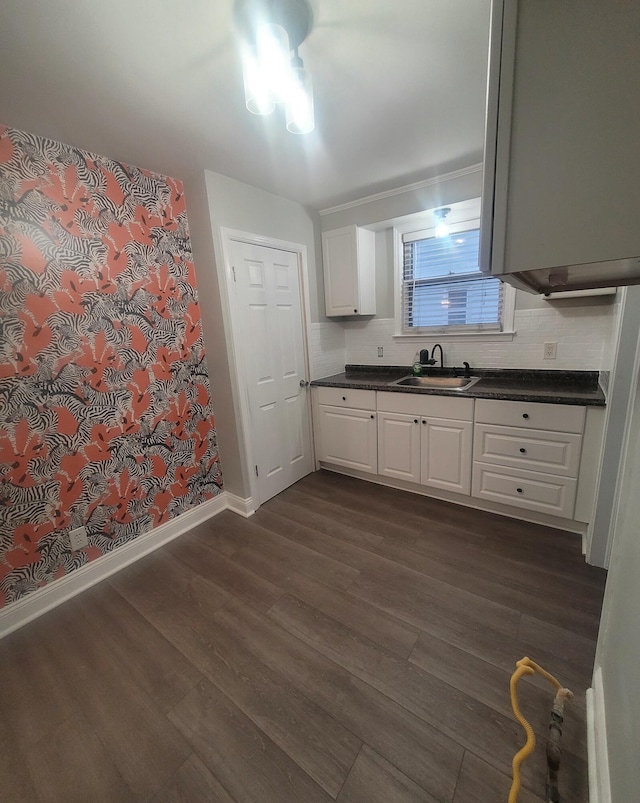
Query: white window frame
point(467, 213)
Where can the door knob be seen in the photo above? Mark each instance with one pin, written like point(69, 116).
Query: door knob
point(303, 383)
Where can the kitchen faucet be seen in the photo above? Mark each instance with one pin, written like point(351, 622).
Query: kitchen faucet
point(433, 351)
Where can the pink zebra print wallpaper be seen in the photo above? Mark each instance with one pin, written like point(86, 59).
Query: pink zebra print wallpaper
point(105, 412)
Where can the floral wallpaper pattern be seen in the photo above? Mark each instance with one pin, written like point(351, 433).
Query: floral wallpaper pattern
point(105, 412)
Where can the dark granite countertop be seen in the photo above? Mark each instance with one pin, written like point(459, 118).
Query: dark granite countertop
point(556, 387)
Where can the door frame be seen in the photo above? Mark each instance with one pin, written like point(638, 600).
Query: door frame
point(228, 236)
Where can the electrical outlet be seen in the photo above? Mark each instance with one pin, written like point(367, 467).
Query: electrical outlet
point(380, 351)
point(550, 351)
point(78, 538)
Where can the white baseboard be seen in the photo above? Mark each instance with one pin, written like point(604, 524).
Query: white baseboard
point(243, 507)
point(599, 783)
point(18, 613)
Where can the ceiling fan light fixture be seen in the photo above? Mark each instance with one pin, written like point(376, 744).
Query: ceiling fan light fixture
point(299, 106)
point(269, 30)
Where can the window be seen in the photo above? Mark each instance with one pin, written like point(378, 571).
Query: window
point(442, 287)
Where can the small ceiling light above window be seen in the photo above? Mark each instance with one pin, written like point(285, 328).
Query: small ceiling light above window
point(442, 229)
point(269, 31)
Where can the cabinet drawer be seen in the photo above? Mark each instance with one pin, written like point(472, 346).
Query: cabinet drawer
point(347, 397)
point(525, 489)
point(425, 404)
point(533, 415)
point(530, 449)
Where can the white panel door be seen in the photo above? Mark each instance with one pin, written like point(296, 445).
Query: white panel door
point(267, 283)
point(399, 446)
point(445, 454)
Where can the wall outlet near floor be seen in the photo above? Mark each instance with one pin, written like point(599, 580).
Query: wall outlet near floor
point(380, 351)
point(550, 351)
point(78, 538)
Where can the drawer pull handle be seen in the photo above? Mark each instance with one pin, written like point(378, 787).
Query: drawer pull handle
point(519, 490)
point(525, 415)
point(523, 450)
point(344, 398)
point(415, 420)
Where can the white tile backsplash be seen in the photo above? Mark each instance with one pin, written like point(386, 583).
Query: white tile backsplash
point(326, 349)
point(583, 335)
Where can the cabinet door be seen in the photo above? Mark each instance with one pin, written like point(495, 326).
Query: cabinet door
point(348, 256)
point(340, 258)
point(562, 151)
point(445, 454)
point(399, 446)
point(347, 438)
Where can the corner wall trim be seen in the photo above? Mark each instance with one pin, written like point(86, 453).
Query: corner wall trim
point(243, 507)
point(19, 613)
point(599, 782)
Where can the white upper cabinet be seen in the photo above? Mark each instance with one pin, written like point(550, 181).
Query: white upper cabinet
point(562, 173)
point(348, 256)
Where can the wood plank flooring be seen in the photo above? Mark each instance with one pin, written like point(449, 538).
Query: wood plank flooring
point(347, 643)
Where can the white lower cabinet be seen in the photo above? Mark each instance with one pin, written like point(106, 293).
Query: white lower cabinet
point(528, 455)
point(445, 454)
point(426, 440)
point(534, 456)
point(347, 436)
point(399, 446)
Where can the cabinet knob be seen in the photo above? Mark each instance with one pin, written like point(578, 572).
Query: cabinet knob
point(424, 420)
point(415, 420)
point(525, 415)
point(519, 490)
point(355, 310)
point(523, 450)
point(372, 415)
point(344, 398)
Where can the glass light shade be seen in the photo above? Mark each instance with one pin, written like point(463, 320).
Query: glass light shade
point(272, 56)
point(299, 107)
point(256, 91)
point(442, 229)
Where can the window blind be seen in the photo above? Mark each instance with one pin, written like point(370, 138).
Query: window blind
point(443, 287)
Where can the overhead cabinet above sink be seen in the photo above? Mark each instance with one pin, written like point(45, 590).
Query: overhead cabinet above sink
point(562, 175)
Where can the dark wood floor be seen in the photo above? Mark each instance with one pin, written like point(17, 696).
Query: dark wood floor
point(348, 642)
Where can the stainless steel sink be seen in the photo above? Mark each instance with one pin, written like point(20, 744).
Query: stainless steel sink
point(435, 382)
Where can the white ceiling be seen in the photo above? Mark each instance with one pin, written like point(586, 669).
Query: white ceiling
point(398, 86)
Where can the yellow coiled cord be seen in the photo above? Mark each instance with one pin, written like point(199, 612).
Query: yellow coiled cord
point(525, 666)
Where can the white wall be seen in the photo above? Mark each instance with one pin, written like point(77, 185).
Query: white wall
point(618, 651)
point(215, 202)
point(621, 383)
point(584, 329)
point(213, 329)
